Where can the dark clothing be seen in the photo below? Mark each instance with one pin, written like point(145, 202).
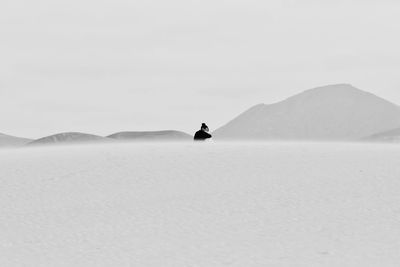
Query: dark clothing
point(201, 135)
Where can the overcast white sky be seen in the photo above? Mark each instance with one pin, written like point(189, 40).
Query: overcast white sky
point(102, 66)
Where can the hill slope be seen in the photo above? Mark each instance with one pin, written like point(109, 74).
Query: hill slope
point(10, 141)
point(69, 138)
point(387, 136)
point(169, 135)
point(335, 112)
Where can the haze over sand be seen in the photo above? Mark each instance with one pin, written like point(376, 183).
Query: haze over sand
point(200, 205)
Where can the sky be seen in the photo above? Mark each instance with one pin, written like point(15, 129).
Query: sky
point(103, 66)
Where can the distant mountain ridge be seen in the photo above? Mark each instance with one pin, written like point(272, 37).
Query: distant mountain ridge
point(80, 138)
point(335, 112)
point(12, 141)
point(69, 138)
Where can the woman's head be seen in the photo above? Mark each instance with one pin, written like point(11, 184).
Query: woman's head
point(204, 127)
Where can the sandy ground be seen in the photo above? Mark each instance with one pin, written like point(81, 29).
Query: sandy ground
point(201, 205)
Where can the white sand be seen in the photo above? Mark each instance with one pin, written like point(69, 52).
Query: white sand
point(201, 205)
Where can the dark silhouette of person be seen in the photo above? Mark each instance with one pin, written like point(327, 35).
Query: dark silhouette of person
point(202, 134)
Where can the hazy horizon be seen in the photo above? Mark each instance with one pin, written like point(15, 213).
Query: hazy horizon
point(103, 67)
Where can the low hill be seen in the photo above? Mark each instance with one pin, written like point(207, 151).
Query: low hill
point(387, 136)
point(168, 135)
point(12, 141)
point(69, 138)
point(337, 112)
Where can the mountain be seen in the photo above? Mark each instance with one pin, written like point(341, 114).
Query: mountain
point(387, 136)
point(169, 135)
point(69, 138)
point(12, 141)
point(334, 112)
